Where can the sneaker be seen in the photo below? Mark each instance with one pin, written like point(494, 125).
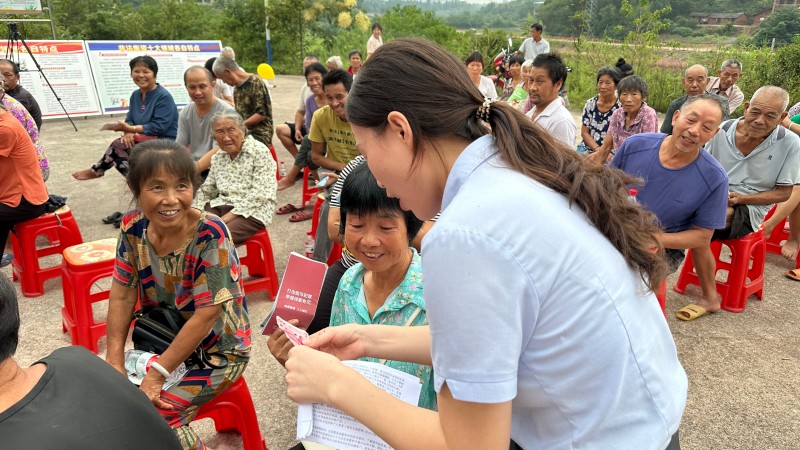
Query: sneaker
point(7, 258)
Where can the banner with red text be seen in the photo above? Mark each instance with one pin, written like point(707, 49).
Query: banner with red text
point(66, 66)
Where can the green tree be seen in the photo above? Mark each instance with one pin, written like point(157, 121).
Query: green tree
point(783, 25)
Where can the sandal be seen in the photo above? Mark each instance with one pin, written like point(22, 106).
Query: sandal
point(108, 220)
point(287, 209)
point(793, 274)
point(7, 258)
point(300, 216)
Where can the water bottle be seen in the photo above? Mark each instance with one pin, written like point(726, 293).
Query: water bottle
point(282, 169)
point(632, 195)
point(138, 362)
point(309, 247)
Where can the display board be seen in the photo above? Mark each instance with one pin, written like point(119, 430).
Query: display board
point(20, 6)
point(109, 61)
point(66, 66)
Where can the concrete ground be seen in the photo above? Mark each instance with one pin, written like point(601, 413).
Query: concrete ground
point(743, 368)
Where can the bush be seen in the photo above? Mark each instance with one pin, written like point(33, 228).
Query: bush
point(682, 31)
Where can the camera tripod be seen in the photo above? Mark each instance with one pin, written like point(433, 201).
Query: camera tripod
point(15, 37)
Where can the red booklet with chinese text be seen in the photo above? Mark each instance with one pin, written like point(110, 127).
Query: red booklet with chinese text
point(299, 292)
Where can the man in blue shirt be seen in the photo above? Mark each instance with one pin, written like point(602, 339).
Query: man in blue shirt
point(685, 187)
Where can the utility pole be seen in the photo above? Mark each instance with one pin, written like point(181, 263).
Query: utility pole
point(588, 16)
point(266, 27)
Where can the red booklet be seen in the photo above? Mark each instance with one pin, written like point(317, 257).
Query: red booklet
point(299, 292)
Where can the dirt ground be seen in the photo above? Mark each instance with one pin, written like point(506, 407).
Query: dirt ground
point(743, 368)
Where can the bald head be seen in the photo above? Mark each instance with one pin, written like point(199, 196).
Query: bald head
point(695, 79)
point(197, 71)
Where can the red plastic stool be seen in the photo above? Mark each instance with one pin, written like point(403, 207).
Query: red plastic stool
point(778, 236)
point(308, 191)
point(233, 410)
point(260, 263)
point(84, 265)
point(747, 263)
point(60, 229)
point(277, 164)
point(661, 296)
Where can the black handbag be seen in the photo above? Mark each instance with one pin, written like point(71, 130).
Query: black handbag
point(156, 327)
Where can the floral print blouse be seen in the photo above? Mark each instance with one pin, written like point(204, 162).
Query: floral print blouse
point(350, 306)
point(247, 182)
point(597, 121)
point(646, 121)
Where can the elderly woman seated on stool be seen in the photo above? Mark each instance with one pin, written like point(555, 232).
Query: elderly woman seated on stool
point(241, 186)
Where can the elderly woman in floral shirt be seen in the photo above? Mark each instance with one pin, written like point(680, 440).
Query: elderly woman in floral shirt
point(241, 186)
point(18, 110)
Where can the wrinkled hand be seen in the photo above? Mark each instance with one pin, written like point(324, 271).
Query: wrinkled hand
point(127, 140)
point(597, 157)
point(279, 344)
point(734, 198)
point(228, 217)
point(311, 375)
point(343, 342)
point(151, 386)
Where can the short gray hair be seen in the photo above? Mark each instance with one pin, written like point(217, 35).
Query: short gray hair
point(735, 63)
point(686, 72)
point(528, 63)
point(224, 63)
point(229, 114)
point(335, 60)
point(632, 83)
point(772, 92)
point(713, 98)
point(228, 53)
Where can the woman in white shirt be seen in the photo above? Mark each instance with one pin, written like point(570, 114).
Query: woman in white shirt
point(544, 329)
point(484, 84)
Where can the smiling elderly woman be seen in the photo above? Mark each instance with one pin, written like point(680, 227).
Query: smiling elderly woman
point(241, 186)
point(151, 114)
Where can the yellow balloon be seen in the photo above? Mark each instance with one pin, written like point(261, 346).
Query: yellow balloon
point(265, 71)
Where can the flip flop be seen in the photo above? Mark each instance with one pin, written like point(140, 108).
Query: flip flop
point(300, 216)
point(108, 220)
point(287, 209)
point(691, 312)
point(7, 258)
point(793, 274)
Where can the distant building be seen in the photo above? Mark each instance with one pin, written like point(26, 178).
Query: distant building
point(781, 3)
point(715, 19)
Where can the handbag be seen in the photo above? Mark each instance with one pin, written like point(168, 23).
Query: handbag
point(156, 327)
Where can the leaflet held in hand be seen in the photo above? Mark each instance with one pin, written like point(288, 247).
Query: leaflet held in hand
point(330, 426)
point(298, 294)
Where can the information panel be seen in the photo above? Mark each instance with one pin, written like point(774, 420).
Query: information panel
point(66, 66)
point(20, 6)
point(112, 74)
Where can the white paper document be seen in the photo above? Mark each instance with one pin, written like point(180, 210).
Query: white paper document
point(330, 426)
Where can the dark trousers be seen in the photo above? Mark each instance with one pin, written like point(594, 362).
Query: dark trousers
point(10, 216)
point(322, 318)
point(241, 228)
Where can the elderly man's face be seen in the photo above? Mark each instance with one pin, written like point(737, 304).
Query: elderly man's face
point(762, 115)
point(10, 79)
point(728, 77)
point(694, 82)
point(308, 61)
point(695, 125)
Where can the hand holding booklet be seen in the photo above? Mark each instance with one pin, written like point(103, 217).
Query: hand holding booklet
point(298, 294)
point(330, 426)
